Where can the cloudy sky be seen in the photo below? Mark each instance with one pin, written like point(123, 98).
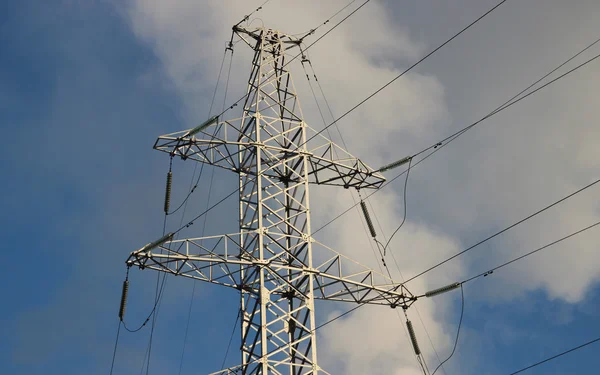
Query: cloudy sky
point(87, 86)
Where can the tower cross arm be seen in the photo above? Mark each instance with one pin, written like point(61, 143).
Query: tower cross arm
point(221, 260)
point(328, 164)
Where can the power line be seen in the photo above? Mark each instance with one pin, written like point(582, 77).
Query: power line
point(246, 17)
point(405, 208)
point(490, 271)
point(462, 311)
point(159, 290)
point(418, 162)
point(439, 145)
point(556, 356)
point(244, 97)
point(510, 102)
point(312, 31)
point(184, 204)
point(210, 186)
point(482, 274)
point(423, 363)
point(298, 55)
point(112, 364)
point(333, 28)
point(504, 230)
point(406, 70)
point(212, 102)
point(237, 318)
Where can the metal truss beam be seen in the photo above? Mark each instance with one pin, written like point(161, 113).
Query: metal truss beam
point(273, 262)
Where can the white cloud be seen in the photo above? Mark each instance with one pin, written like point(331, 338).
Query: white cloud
point(500, 172)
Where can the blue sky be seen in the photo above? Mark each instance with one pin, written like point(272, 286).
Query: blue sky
point(86, 87)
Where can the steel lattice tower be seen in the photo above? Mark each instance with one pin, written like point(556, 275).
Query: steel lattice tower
point(273, 261)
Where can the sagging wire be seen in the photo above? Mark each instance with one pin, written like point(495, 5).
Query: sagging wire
point(231, 339)
point(439, 145)
point(305, 59)
point(210, 186)
point(312, 31)
point(510, 102)
point(298, 55)
point(122, 306)
point(402, 279)
point(491, 271)
point(504, 230)
point(462, 311)
point(247, 17)
point(406, 70)
point(212, 120)
point(159, 293)
point(456, 285)
point(112, 364)
point(415, 344)
point(556, 356)
point(364, 209)
point(387, 244)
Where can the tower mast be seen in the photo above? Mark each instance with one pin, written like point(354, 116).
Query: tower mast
point(270, 260)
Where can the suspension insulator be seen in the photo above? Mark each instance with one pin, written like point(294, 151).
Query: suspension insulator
point(395, 164)
point(158, 242)
point(168, 192)
point(202, 126)
point(413, 337)
point(124, 299)
point(441, 290)
point(363, 205)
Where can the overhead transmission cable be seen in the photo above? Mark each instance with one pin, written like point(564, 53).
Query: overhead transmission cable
point(212, 102)
point(245, 96)
point(436, 147)
point(406, 70)
point(424, 363)
point(491, 271)
point(462, 311)
point(210, 186)
point(230, 339)
point(298, 55)
point(510, 101)
point(504, 230)
point(439, 145)
point(159, 293)
point(312, 31)
point(459, 284)
point(417, 163)
point(185, 203)
point(247, 17)
point(362, 102)
point(557, 355)
point(369, 224)
point(329, 134)
point(157, 300)
point(404, 206)
point(191, 190)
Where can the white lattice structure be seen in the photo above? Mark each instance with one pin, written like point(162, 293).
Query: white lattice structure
point(270, 261)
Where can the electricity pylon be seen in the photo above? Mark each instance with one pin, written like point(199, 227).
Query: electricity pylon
point(274, 262)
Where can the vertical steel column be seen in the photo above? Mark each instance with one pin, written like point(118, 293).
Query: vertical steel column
point(278, 321)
